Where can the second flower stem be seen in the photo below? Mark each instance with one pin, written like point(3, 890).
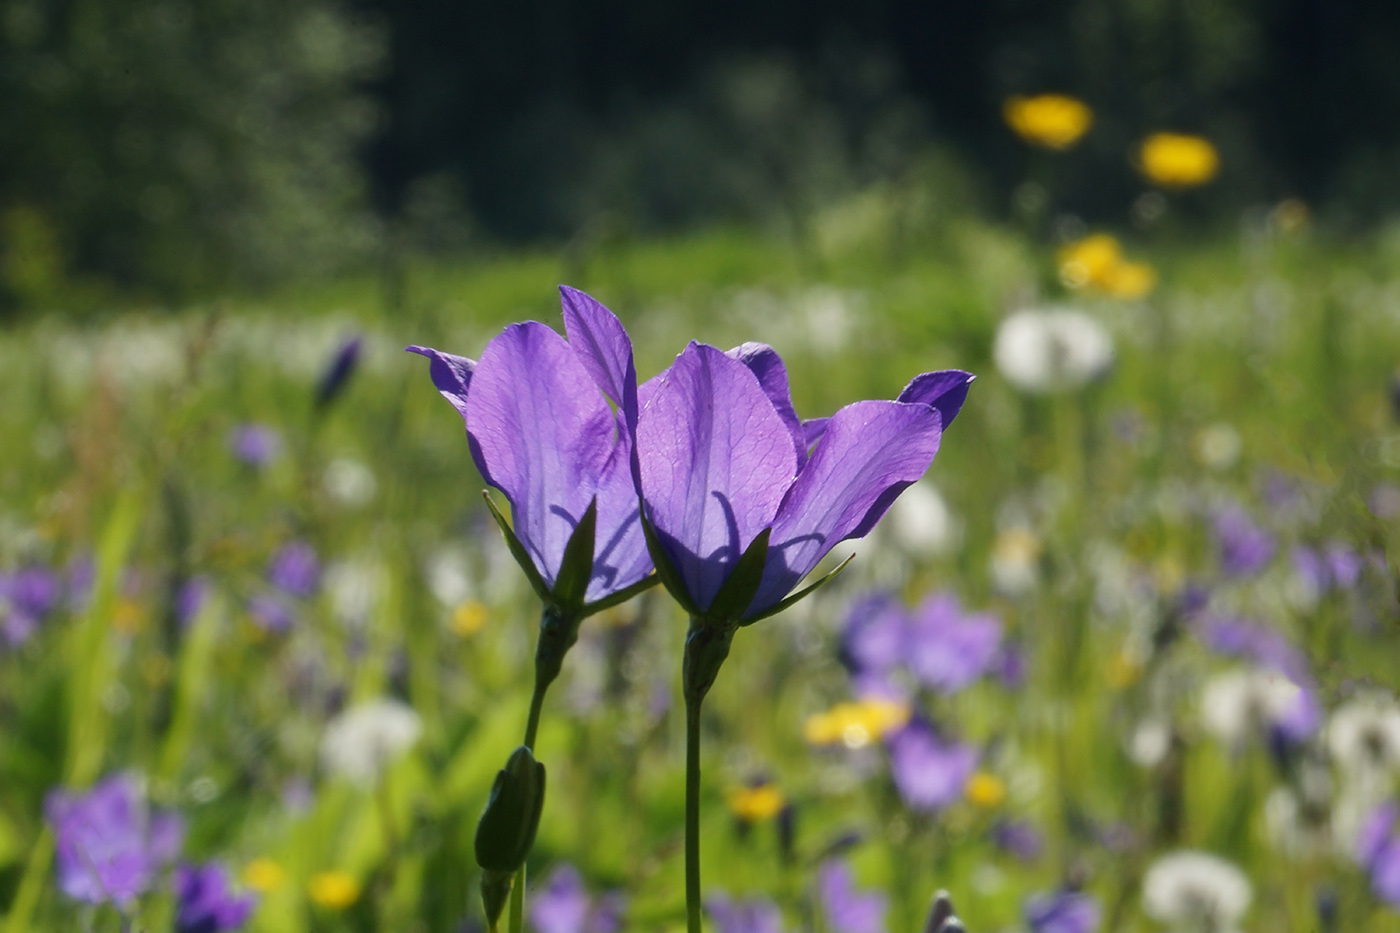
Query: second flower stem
point(692, 814)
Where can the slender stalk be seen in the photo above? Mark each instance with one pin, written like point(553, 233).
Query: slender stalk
point(692, 813)
point(517, 902)
point(532, 725)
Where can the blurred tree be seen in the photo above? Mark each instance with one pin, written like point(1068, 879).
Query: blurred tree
point(172, 146)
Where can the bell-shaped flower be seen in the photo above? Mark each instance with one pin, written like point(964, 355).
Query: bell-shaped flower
point(542, 431)
point(726, 470)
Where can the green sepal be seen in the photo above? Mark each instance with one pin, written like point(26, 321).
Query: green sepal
point(576, 566)
point(495, 892)
point(741, 586)
point(666, 571)
point(621, 596)
point(506, 832)
point(799, 595)
point(517, 550)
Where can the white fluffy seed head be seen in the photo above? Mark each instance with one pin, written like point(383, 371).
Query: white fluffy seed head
point(364, 740)
point(1052, 350)
point(1196, 891)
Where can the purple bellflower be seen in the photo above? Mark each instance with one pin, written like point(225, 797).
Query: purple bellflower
point(929, 772)
point(541, 430)
point(949, 649)
point(1378, 851)
point(295, 569)
point(562, 905)
point(730, 477)
point(1019, 838)
point(1063, 911)
point(848, 910)
point(205, 901)
point(255, 445)
point(109, 846)
point(754, 915)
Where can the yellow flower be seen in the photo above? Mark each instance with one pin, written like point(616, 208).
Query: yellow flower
point(856, 725)
point(335, 890)
point(128, 617)
point(263, 875)
point(1123, 671)
point(1096, 263)
point(756, 804)
point(468, 618)
point(1175, 160)
point(985, 790)
point(1054, 121)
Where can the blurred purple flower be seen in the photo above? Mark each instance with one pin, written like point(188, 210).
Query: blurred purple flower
point(1245, 548)
point(542, 432)
point(1063, 912)
point(256, 445)
point(1378, 851)
point(929, 773)
point(1242, 638)
point(27, 597)
point(295, 569)
point(848, 910)
point(204, 901)
point(1020, 838)
point(754, 915)
point(189, 600)
point(722, 457)
point(1011, 666)
point(109, 847)
point(949, 649)
point(271, 612)
point(876, 636)
point(563, 906)
point(338, 371)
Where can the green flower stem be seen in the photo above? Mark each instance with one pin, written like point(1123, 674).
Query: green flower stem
point(517, 902)
point(706, 647)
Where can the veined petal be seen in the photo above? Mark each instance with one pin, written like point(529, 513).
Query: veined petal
point(540, 432)
point(451, 374)
point(767, 366)
point(945, 390)
point(620, 555)
point(715, 460)
point(813, 429)
point(604, 349)
point(870, 453)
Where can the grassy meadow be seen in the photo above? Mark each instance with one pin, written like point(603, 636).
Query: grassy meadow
point(1249, 402)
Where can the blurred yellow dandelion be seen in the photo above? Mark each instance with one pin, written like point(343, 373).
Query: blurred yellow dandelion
point(263, 875)
point(856, 725)
point(985, 790)
point(758, 803)
point(1176, 160)
point(468, 618)
point(334, 890)
point(127, 616)
point(1055, 121)
point(1096, 263)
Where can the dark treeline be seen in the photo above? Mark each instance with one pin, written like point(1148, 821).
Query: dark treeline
point(177, 148)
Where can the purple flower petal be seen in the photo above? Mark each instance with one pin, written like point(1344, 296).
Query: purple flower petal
point(295, 569)
point(871, 452)
point(876, 636)
point(206, 902)
point(601, 343)
point(754, 915)
point(763, 361)
point(812, 430)
point(451, 374)
point(542, 434)
point(847, 909)
point(715, 462)
point(947, 649)
point(1063, 912)
point(945, 390)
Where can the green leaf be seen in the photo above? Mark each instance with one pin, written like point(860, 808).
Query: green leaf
point(517, 550)
point(666, 571)
point(576, 568)
point(741, 586)
point(799, 595)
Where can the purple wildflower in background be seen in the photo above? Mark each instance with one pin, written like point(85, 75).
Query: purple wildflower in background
point(27, 597)
point(1255, 641)
point(848, 910)
point(1063, 911)
point(875, 636)
point(929, 773)
point(271, 612)
point(562, 905)
point(1020, 838)
point(190, 599)
point(205, 901)
point(256, 445)
point(1378, 852)
point(1335, 567)
point(723, 457)
point(295, 569)
point(1245, 548)
point(948, 649)
point(754, 915)
point(109, 847)
point(338, 371)
point(1011, 666)
point(542, 432)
